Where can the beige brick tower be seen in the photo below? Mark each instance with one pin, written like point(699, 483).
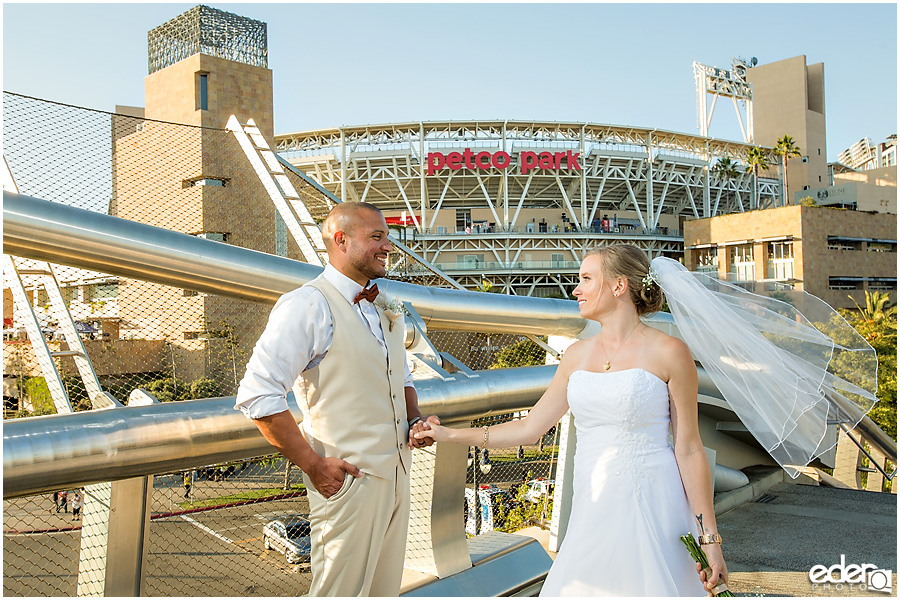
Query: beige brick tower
point(789, 99)
point(205, 65)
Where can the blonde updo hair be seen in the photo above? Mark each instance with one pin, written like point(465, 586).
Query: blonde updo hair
point(624, 260)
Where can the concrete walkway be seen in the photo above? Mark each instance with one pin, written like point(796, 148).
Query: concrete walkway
point(774, 532)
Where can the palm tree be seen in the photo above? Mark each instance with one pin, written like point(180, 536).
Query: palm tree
point(877, 307)
point(757, 159)
point(725, 169)
point(786, 149)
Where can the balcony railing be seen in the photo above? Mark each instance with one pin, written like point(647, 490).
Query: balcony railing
point(618, 231)
point(503, 266)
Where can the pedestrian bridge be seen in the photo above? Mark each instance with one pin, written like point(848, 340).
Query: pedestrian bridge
point(138, 536)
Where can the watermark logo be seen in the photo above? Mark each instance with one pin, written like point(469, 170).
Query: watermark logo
point(844, 577)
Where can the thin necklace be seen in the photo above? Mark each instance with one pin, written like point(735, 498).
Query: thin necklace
point(606, 354)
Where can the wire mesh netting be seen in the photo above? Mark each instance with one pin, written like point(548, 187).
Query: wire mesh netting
point(212, 530)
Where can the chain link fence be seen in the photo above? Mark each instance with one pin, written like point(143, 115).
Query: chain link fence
point(206, 535)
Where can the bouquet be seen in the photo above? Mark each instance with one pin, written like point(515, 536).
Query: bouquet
point(698, 555)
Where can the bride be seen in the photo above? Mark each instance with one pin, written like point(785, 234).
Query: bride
point(634, 493)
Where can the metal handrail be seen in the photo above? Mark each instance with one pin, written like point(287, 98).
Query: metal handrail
point(35, 228)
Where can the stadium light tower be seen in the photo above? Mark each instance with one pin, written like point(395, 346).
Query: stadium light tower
point(729, 84)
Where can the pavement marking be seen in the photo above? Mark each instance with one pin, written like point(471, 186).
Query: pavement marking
point(249, 540)
point(206, 529)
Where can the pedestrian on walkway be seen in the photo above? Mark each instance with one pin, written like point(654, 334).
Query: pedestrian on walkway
point(63, 502)
point(56, 500)
point(76, 506)
point(188, 481)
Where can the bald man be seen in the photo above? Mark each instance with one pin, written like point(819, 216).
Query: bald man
point(330, 341)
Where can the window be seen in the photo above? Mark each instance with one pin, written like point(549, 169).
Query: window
point(781, 250)
point(741, 260)
point(845, 283)
point(204, 181)
point(819, 151)
point(41, 297)
point(463, 219)
point(470, 261)
point(216, 236)
point(103, 291)
point(557, 259)
point(781, 260)
point(820, 179)
point(70, 294)
point(882, 246)
point(203, 91)
point(707, 259)
point(837, 243)
point(883, 283)
point(804, 159)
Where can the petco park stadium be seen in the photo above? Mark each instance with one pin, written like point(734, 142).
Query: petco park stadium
point(517, 204)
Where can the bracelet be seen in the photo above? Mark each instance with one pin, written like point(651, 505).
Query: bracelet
point(485, 440)
point(710, 538)
point(413, 422)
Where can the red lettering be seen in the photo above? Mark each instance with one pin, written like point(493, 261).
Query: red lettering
point(528, 161)
point(454, 161)
point(572, 161)
point(468, 154)
point(495, 159)
point(435, 162)
point(558, 156)
point(546, 160)
point(483, 160)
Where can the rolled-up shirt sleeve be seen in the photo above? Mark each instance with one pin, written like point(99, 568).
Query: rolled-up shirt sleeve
point(297, 336)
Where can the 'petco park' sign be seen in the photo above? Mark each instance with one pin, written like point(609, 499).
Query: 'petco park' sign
point(528, 161)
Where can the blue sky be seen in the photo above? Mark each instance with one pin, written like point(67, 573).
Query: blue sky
point(354, 64)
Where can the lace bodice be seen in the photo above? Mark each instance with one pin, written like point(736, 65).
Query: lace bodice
point(620, 408)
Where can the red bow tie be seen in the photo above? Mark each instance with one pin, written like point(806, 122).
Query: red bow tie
point(367, 294)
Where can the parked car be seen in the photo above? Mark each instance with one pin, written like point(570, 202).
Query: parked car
point(289, 534)
point(539, 488)
point(493, 517)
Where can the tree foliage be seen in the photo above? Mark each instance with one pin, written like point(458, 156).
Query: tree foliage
point(524, 353)
point(786, 149)
point(877, 323)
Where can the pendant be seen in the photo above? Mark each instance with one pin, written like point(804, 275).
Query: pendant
point(606, 366)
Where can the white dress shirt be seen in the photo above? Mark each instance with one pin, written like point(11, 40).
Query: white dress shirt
point(297, 337)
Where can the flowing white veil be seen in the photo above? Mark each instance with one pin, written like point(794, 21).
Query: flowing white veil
point(787, 363)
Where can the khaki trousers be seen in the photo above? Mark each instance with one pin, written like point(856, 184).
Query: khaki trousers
point(359, 536)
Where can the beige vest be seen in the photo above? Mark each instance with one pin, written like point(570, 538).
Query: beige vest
point(355, 406)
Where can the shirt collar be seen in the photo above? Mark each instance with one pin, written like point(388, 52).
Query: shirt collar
point(346, 286)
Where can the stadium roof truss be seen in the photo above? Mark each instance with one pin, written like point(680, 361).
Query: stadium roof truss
point(644, 173)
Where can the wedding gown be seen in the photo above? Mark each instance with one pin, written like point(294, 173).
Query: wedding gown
point(629, 508)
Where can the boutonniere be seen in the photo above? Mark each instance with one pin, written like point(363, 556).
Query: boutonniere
point(393, 309)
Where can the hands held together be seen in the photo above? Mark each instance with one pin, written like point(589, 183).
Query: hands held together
point(417, 439)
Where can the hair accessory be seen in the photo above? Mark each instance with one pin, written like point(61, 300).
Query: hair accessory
point(649, 279)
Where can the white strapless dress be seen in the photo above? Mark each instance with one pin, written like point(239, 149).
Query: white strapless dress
point(629, 508)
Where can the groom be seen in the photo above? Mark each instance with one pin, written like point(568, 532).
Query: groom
point(332, 342)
